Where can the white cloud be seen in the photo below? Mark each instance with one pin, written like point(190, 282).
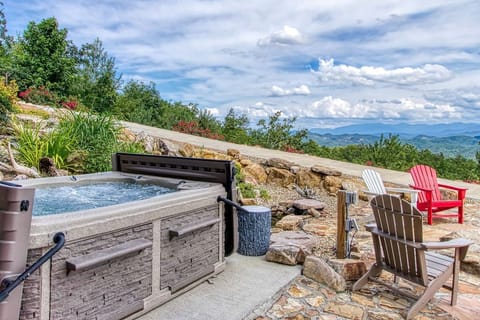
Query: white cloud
point(367, 75)
point(414, 110)
point(277, 91)
point(286, 36)
point(213, 111)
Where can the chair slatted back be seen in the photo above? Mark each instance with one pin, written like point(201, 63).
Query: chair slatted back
point(400, 230)
point(425, 177)
point(374, 181)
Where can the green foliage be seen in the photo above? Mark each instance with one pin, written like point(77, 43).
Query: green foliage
point(278, 134)
point(96, 81)
point(95, 134)
point(8, 98)
point(391, 153)
point(94, 137)
point(32, 145)
point(264, 194)
point(42, 57)
point(207, 121)
point(247, 190)
point(173, 113)
point(235, 127)
point(139, 103)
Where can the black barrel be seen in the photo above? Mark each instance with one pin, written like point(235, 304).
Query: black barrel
point(254, 230)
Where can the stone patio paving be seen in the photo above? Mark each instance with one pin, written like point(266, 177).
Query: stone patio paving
point(305, 298)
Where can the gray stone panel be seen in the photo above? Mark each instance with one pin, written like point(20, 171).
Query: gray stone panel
point(186, 258)
point(101, 291)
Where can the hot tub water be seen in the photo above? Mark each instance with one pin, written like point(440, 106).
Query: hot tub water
point(70, 198)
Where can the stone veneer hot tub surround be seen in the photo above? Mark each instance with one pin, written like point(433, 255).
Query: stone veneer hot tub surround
point(123, 260)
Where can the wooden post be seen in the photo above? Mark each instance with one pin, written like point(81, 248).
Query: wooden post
point(341, 217)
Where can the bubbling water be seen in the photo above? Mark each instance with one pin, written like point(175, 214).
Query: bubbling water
point(62, 199)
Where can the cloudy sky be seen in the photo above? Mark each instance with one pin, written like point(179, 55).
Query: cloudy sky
point(328, 63)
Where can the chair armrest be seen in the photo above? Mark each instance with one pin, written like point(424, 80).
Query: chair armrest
point(452, 187)
point(413, 193)
point(420, 188)
point(370, 193)
point(451, 244)
point(374, 230)
point(403, 190)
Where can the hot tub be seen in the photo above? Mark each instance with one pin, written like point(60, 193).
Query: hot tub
point(122, 260)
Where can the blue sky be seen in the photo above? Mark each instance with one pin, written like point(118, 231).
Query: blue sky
point(328, 63)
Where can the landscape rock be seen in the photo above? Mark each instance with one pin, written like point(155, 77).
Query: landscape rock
point(290, 223)
point(245, 162)
point(233, 153)
point(210, 154)
point(290, 247)
point(256, 172)
point(47, 167)
point(186, 150)
point(317, 269)
point(332, 184)
point(317, 229)
point(307, 178)
point(349, 269)
point(325, 171)
point(280, 177)
point(279, 163)
point(306, 204)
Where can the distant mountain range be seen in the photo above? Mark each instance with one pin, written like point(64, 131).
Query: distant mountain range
point(449, 139)
point(406, 130)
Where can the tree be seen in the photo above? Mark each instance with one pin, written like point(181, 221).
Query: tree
point(43, 57)
point(6, 43)
point(276, 134)
point(96, 82)
point(140, 103)
point(235, 127)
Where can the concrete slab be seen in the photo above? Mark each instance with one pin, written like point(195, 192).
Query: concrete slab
point(246, 284)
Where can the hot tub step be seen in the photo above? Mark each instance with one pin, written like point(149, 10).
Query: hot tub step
point(180, 231)
point(102, 256)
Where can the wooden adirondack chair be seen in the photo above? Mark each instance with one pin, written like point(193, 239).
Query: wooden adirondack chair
point(375, 186)
point(430, 198)
point(399, 249)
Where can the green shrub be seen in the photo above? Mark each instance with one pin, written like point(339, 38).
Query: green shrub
point(32, 145)
point(264, 194)
point(247, 190)
point(8, 97)
point(98, 136)
point(95, 134)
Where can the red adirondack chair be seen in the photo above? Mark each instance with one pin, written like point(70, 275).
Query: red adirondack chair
point(430, 198)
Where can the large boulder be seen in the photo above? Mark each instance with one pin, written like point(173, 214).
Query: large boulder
point(290, 247)
point(332, 184)
point(307, 178)
point(290, 223)
point(280, 177)
point(279, 163)
point(325, 171)
point(317, 269)
point(254, 173)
